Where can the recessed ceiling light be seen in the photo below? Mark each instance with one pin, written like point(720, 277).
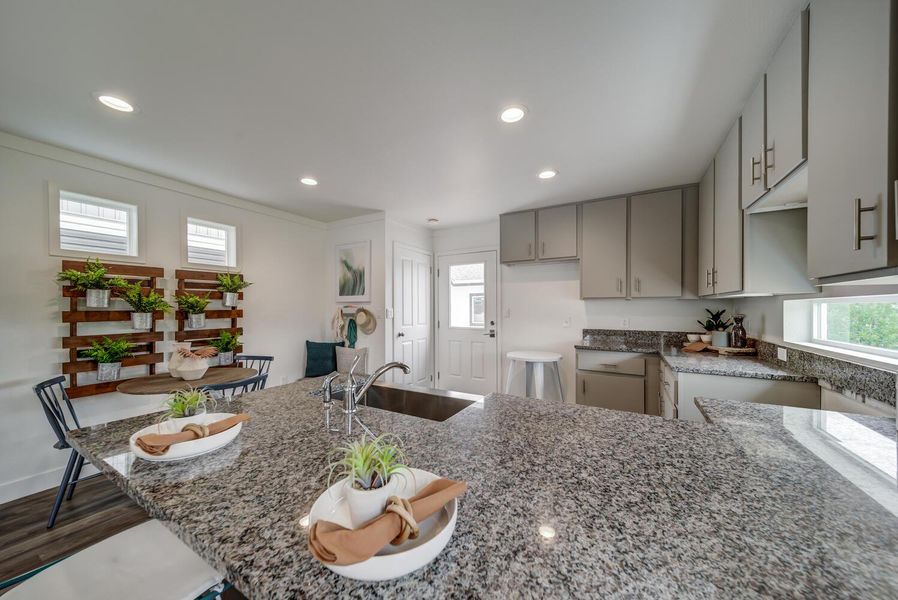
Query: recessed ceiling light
point(432, 221)
point(547, 174)
point(309, 181)
point(115, 103)
point(512, 114)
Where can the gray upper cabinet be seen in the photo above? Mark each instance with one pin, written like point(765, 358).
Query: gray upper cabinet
point(787, 89)
point(603, 253)
point(656, 245)
point(727, 270)
point(706, 233)
point(754, 181)
point(851, 215)
point(557, 232)
point(517, 236)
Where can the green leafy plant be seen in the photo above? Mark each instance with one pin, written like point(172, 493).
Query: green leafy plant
point(93, 277)
point(226, 342)
point(715, 321)
point(108, 351)
point(140, 302)
point(368, 464)
point(232, 283)
point(187, 403)
point(192, 304)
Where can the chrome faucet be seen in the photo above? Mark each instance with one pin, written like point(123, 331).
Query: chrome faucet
point(354, 393)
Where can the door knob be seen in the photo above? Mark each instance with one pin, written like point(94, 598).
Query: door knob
point(400, 334)
point(491, 333)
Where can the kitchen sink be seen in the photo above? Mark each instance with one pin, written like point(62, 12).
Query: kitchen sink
point(425, 403)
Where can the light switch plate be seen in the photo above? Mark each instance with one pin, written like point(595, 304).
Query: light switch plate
point(781, 354)
point(389, 313)
point(566, 322)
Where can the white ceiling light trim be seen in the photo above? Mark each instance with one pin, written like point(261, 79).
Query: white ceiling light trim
point(115, 103)
point(547, 174)
point(513, 114)
point(308, 181)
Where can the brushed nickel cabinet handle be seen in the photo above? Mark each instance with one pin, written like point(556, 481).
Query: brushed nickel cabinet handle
point(708, 278)
point(751, 165)
point(714, 277)
point(584, 387)
point(529, 249)
point(608, 365)
point(896, 209)
point(858, 209)
point(767, 163)
point(543, 248)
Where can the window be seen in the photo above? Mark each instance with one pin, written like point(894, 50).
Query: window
point(211, 243)
point(90, 226)
point(466, 296)
point(865, 324)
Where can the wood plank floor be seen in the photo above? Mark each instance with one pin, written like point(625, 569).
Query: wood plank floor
point(96, 511)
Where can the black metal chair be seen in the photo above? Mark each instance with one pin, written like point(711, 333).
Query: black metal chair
point(255, 361)
point(56, 404)
point(235, 389)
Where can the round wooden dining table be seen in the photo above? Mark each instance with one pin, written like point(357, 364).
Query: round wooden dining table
point(164, 383)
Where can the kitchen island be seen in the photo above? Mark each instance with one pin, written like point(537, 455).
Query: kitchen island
point(639, 506)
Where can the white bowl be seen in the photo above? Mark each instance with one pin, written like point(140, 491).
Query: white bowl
point(187, 449)
point(705, 337)
point(693, 337)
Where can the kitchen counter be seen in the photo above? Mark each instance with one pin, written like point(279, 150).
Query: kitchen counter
point(641, 506)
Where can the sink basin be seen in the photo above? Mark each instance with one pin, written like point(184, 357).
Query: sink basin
point(425, 403)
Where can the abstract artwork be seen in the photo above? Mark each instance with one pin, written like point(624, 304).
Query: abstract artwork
point(354, 272)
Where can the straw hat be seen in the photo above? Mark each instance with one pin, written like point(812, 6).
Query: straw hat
point(364, 318)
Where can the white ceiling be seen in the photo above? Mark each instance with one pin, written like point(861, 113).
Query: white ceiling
point(391, 105)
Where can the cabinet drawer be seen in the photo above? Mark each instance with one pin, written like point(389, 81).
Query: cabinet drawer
point(617, 392)
point(627, 363)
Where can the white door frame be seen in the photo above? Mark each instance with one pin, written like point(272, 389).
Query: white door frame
point(500, 355)
point(433, 339)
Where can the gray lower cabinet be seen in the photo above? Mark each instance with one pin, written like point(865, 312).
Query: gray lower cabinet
point(603, 252)
point(517, 236)
point(607, 390)
point(656, 245)
point(851, 134)
point(557, 232)
point(754, 180)
point(706, 233)
point(727, 271)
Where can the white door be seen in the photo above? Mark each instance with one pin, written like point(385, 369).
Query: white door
point(411, 321)
point(466, 323)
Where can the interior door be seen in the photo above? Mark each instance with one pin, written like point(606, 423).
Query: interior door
point(466, 322)
point(412, 310)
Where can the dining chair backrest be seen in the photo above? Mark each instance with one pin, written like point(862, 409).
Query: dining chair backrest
point(58, 408)
point(237, 388)
point(258, 362)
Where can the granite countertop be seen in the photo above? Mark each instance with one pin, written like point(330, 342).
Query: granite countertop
point(641, 506)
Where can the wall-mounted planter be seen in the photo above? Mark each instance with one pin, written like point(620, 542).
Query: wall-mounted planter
point(225, 358)
point(229, 299)
point(108, 371)
point(141, 320)
point(197, 321)
point(97, 298)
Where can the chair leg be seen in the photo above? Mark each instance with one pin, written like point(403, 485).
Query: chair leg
point(66, 478)
point(78, 464)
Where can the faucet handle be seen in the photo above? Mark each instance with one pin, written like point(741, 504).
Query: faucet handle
point(326, 386)
point(355, 363)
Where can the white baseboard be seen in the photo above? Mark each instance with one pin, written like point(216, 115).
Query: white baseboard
point(25, 486)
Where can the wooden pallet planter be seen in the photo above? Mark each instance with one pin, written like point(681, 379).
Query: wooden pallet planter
point(202, 283)
point(145, 342)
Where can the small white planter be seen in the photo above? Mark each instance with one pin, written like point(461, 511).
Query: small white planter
point(225, 358)
point(141, 320)
point(175, 360)
point(108, 371)
point(229, 299)
point(196, 321)
point(365, 505)
point(720, 339)
point(97, 298)
point(192, 369)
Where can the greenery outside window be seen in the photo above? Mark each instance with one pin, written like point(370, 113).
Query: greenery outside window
point(864, 324)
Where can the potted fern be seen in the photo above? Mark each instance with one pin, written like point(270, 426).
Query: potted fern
point(108, 354)
point(93, 282)
point(370, 469)
point(143, 305)
point(195, 308)
point(225, 344)
point(230, 286)
point(184, 406)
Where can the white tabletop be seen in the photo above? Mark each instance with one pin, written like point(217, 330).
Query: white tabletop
point(536, 356)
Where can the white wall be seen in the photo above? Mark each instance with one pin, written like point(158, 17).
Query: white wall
point(282, 254)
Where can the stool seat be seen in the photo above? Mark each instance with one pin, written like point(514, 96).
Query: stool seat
point(535, 362)
point(534, 356)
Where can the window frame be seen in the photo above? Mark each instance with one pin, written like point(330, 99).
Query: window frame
point(818, 327)
point(54, 191)
point(213, 221)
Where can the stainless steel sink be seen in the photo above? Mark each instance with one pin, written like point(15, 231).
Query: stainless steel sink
point(426, 403)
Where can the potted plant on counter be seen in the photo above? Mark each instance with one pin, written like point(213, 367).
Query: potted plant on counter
point(93, 282)
point(370, 468)
point(183, 405)
point(716, 328)
point(108, 354)
point(144, 305)
point(225, 344)
point(230, 286)
point(195, 308)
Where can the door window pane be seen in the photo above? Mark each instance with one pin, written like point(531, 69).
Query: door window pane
point(467, 303)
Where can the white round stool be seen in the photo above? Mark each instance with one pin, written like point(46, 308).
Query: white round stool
point(535, 374)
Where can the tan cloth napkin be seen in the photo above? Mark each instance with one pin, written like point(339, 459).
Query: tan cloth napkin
point(696, 347)
point(330, 543)
point(158, 444)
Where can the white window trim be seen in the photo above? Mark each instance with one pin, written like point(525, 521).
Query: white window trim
point(819, 326)
point(213, 220)
point(53, 190)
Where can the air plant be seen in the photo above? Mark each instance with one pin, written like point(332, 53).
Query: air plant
point(715, 321)
point(368, 463)
point(187, 403)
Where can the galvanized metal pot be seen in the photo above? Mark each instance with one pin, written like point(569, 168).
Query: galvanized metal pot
point(229, 299)
point(97, 298)
point(225, 358)
point(108, 371)
point(142, 320)
point(196, 321)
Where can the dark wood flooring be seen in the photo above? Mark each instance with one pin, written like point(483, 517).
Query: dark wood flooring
point(97, 510)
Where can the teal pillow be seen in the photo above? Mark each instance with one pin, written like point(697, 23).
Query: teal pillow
point(321, 358)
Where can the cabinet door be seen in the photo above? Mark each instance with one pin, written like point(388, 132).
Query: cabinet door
point(727, 272)
point(603, 253)
point(753, 178)
point(557, 232)
point(517, 236)
point(848, 136)
point(787, 81)
point(656, 245)
point(617, 392)
point(706, 233)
